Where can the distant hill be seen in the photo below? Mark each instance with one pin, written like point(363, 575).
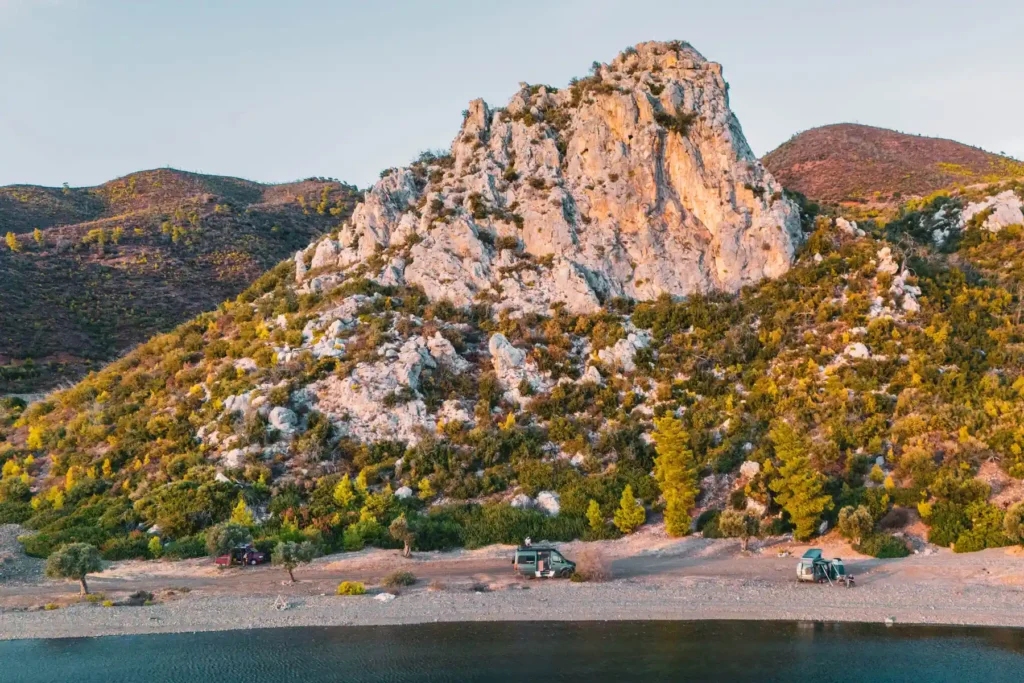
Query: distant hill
point(120, 262)
point(850, 162)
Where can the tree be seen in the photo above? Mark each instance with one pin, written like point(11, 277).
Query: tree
point(676, 472)
point(37, 235)
point(241, 514)
point(630, 514)
point(400, 531)
point(156, 548)
point(344, 493)
point(738, 524)
point(223, 537)
point(74, 561)
point(12, 242)
point(798, 486)
point(1013, 523)
point(594, 516)
point(855, 524)
point(289, 554)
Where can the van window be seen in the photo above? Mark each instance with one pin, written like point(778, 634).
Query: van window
point(526, 559)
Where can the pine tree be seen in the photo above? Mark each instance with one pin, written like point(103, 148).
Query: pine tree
point(241, 514)
point(594, 516)
point(676, 472)
point(12, 242)
point(344, 493)
point(799, 486)
point(630, 514)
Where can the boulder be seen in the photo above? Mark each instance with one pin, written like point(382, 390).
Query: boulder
point(522, 502)
point(505, 357)
point(857, 350)
point(403, 492)
point(750, 469)
point(282, 419)
point(549, 503)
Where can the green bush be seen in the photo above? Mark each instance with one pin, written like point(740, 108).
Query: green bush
point(399, 579)
point(883, 546)
point(707, 523)
point(186, 548)
point(948, 522)
point(350, 588)
point(14, 513)
point(125, 548)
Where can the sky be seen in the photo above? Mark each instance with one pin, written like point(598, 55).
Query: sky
point(275, 91)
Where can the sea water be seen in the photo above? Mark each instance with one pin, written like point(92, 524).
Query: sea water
point(535, 651)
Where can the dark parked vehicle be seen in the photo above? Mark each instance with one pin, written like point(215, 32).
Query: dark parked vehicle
point(243, 554)
point(541, 562)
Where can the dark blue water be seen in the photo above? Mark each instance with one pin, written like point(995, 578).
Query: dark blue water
point(527, 653)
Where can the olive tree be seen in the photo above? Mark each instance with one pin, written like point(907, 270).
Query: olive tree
point(400, 531)
point(223, 537)
point(855, 523)
point(737, 524)
point(1013, 523)
point(74, 561)
point(289, 554)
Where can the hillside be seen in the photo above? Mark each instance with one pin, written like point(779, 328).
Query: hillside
point(848, 162)
point(117, 263)
point(473, 352)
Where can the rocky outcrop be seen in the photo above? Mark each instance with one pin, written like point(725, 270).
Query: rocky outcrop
point(634, 182)
point(995, 212)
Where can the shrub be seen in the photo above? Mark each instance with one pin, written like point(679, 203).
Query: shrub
point(883, 546)
point(125, 548)
point(708, 524)
point(592, 565)
point(186, 548)
point(399, 579)
point(351, 588)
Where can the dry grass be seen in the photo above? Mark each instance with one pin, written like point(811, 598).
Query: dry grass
point(592, 565)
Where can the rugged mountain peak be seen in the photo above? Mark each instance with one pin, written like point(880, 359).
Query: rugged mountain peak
point(635, 181)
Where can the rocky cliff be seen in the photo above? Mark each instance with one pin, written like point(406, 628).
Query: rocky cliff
point(634, 182)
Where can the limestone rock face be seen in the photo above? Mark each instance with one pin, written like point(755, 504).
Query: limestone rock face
point(634, 182)
point(1000, 211)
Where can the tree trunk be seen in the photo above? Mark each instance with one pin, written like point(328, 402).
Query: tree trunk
point(85, 587)
point(407, 551)
point(743, 543)
point(291, 575)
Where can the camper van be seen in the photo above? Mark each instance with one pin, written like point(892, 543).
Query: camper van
point(541, 562)
point(813, 567)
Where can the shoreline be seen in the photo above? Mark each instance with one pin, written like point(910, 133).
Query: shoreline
point(655, 578)
point(704, 599)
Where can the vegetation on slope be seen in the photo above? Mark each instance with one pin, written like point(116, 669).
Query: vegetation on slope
point(853, 163)
point(814, 376)
point(89, 272)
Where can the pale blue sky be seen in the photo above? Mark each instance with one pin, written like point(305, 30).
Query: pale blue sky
point(274, 90)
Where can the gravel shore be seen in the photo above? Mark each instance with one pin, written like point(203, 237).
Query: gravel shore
point(683, 599)
point(655, 578)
